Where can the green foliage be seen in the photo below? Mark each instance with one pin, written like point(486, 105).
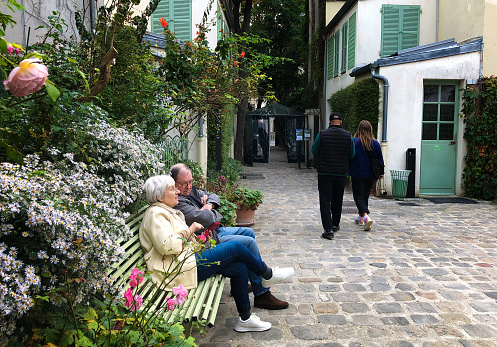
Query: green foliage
point(282, 23)
point(480, 116)
point(222, 125)
point(357, 102)
point(246, 197)
point(228, 211)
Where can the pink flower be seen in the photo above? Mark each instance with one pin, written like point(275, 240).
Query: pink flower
point(138, 303)
point(128, 294)
point(10, 49)
point(135, 278)
point(170, 304)
point(202, 238)
point(27, 78)
point(133, 302)
point(181, 294)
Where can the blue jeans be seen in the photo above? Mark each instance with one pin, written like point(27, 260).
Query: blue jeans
point(235, 260)
point(245, 236)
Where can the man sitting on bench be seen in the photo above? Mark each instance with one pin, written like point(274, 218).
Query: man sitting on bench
point(199, 206)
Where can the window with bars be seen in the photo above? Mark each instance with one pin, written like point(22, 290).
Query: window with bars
point(439, 111)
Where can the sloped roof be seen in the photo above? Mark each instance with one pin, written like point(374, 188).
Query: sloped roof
point(434, 50)
point(275, 110)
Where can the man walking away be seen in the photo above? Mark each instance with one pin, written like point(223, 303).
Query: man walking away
point(332, 149)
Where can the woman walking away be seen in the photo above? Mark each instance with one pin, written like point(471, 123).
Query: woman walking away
point(360, 170)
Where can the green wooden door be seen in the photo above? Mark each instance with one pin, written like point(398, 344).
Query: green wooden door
point(438, 145)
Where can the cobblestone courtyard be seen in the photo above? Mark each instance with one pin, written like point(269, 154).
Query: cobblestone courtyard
point(426, 275)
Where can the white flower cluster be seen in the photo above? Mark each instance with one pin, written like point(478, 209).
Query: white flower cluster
point(60, 219)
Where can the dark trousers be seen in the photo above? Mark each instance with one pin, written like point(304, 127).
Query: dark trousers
point(361, 187)
point(231, 259)
point(331, 190)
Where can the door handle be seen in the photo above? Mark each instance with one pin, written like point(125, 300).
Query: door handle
point(452, 143)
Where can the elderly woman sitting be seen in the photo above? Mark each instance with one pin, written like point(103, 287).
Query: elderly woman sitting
point(162, 235)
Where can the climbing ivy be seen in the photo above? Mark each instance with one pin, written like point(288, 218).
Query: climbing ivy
point(359, 101)
point(480, 116)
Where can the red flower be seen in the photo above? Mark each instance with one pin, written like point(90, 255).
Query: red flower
point(242, 54)
point(163, 22)
point(235, 63)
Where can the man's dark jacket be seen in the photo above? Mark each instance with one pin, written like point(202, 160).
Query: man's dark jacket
point(334, 151)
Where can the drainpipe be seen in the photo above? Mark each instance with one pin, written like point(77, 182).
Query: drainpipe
point(323, 116)
point(92, 16)
point(385, 100)
point(25, 39)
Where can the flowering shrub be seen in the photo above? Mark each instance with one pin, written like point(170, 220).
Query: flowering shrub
point(60, 219)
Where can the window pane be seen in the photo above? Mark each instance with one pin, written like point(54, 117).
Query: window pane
point(431, 94)
point(448, 94)
point(430, 112)
point(446, 131)
point(429, 131)
point(447, 113)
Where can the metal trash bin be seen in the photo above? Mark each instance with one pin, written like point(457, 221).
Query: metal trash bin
point(399, 183)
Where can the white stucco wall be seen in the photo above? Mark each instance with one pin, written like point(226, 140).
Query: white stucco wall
point(404, 122)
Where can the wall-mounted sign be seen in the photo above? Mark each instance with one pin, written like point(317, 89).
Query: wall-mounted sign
point(300, 134)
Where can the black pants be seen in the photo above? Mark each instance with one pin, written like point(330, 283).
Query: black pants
point(361, 187)
point(330, 199)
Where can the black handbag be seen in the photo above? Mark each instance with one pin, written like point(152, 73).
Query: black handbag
point(377, 166)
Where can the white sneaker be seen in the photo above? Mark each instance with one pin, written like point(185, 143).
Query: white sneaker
point(367, 223)
point(279, 275)
point(254, 323)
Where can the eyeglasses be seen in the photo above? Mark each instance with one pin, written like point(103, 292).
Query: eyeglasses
point(184, 184)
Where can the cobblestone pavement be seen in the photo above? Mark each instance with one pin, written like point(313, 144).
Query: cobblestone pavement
point(426, 274)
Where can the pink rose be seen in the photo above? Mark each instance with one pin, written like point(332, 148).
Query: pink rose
point(202, 238)
point(27, 78)
point(181, 294)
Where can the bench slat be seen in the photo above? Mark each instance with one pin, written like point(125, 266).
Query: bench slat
point(212, 304)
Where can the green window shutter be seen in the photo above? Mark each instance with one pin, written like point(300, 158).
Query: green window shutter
point(410, 26)
point(344, 47)
point(390, 29)
point(178, 14)
point(162, 11)
point(399, 28)
point(336, 57)
point(330, 57)
point(351, 46)
point(183, 20)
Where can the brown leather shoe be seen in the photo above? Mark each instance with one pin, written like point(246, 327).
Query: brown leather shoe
point(269, 302)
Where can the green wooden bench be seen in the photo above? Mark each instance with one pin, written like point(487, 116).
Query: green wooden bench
point(202, 303)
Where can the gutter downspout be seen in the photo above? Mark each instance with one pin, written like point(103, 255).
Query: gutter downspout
point(385, 100)
point(323, 115)
point(25, 39)
point(92, 16)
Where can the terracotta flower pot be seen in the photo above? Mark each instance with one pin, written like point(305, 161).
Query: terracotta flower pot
point(245, 217)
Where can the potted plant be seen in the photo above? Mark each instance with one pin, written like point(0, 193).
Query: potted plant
point(247, 200)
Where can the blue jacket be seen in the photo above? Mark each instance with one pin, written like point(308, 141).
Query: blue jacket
point(359, 166)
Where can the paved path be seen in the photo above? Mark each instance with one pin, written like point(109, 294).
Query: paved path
point(426, 275)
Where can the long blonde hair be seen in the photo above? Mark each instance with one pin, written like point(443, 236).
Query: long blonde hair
point(365, 134)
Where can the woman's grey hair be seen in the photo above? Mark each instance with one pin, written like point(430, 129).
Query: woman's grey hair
point(155, 187)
